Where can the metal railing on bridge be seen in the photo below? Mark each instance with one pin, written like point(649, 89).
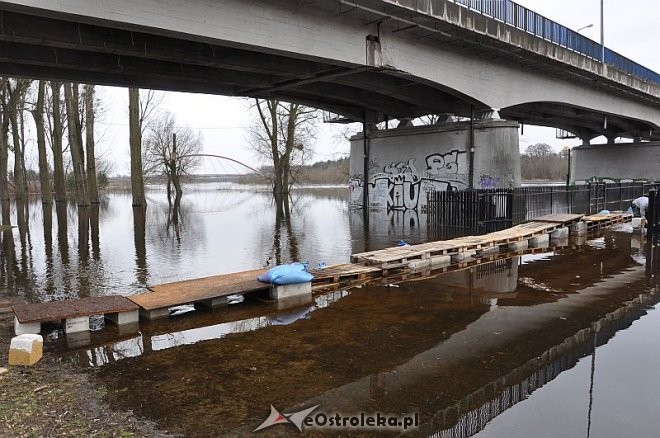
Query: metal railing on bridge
point(483, 211)
point(529, 21)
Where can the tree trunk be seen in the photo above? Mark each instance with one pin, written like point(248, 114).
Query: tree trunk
point(75, 143)
point(59, 182)
point(135, 140)
point(4, 155)
point(19, 176)
point(38, 114)
point(89, 145)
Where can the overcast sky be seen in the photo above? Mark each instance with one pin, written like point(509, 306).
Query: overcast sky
point(631, 28)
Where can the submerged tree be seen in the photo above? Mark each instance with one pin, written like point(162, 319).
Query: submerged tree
point(72, 99)
point(282, 135)
point(40, 125)
point(172, 152)
point(56, 121)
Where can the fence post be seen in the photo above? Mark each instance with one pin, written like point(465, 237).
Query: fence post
point(653, 213)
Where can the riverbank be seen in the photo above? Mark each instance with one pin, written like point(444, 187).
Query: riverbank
point(52, 398)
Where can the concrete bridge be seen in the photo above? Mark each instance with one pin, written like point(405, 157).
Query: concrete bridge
point(366, 60)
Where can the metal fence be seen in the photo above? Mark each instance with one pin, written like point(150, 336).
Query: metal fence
point(486, 210)
point(653, 215)
point(529, 21)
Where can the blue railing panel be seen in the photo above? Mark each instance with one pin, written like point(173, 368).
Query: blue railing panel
point(529, 21)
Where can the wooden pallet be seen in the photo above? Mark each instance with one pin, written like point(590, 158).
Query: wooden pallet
point(564, 219)
point(200, 290)
point(346, 272)
point(59, 310)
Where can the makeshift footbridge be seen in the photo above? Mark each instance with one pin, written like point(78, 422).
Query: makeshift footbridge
point(389, 265)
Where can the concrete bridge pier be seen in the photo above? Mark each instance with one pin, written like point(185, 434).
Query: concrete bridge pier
point(616, 161)
point(407, 162)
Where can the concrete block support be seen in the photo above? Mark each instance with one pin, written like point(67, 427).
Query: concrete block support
point(463, 256)
point(540, 241)
point(518, 246)
point(430, 263)
point(578, 229)
point(561, 233)
point(26, 350)
point(123, 318)
point(638, 222)
point(76, 325)
point(291, 291)
point(163, 312)
point(25, 329)
point(215, 302)
point(489, 251)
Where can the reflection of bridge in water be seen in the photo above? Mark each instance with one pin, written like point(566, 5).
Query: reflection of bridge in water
point(471, 414)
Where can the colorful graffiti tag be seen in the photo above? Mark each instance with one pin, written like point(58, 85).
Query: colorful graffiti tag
point(401, 187)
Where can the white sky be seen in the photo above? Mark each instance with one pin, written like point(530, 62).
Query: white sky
point(631, 29)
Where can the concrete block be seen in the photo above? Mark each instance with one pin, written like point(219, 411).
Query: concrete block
point(418, 265)
point(637, 241)
point(123, 318)
point(3, 371)
point(163, 312)
point(440, 261)
point(76, 325)
point(542, 241)
point(518, 246)
point(491, 250)
point(578, 228)
point(215, 302)
point(463, 256)
point(292, 302)
point(561, 233)
point(30, 328)
point(559, 243)
point(26, 350)
point(638, 222)
point(291, 290)
point(580, 239)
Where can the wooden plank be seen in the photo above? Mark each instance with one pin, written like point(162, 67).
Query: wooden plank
point(56, 310)
point(559, 218)
point(201, 289)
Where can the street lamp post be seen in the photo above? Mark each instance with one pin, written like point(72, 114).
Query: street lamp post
point(602, 32)
point(588, 26)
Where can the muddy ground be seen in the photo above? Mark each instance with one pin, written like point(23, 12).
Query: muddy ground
point(53, 399)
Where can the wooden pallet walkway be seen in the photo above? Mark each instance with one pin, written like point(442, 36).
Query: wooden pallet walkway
point(58, 310)
point(199, 290)
point(74, 313)
point(347, 272)
point(564, 219)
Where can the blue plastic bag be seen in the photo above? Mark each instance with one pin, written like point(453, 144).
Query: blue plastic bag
point(281, 275)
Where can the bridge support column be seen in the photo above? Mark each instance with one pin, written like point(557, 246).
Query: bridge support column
point(617, 161)
point(407, 163)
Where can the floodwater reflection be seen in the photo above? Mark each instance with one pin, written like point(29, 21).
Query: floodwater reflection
point(462, 350)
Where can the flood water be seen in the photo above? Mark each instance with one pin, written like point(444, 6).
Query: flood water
point(559, 342)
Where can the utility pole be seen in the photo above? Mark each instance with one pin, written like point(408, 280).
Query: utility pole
point(602, 32)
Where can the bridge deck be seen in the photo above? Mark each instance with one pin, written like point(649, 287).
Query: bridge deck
point(200, 289)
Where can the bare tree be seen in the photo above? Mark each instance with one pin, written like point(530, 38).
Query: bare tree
point(72, 99)
point(140, 111)
point(56, 131)
point(283, 134)
point(171, 151)
point(38, 115)
point(90, 144)
point(4, 146)
point(13, 104)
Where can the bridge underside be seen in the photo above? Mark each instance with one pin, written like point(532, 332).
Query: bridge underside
point(55, 46)
point(62, 49)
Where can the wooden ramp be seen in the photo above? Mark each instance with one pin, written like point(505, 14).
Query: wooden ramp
point(564, 219)
point(200, 290)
